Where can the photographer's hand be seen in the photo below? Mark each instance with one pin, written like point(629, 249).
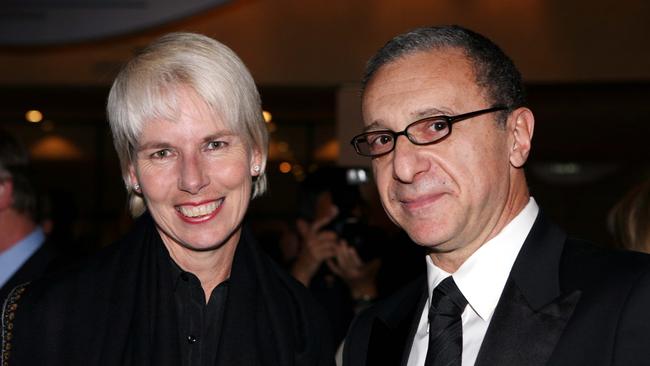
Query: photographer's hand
point(360, 277)
point(317, 246)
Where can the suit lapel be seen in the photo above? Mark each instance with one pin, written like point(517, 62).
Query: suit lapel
point(521, 335)
point(532, 311)
point(415, 322)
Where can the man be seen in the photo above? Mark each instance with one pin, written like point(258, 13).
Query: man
point(448, 134)
point(23, 257)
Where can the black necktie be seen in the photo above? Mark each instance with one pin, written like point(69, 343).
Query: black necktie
point(445, 326)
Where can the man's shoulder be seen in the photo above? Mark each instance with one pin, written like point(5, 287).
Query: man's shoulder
point(549, 252)
point(614, 278)
point(614, 288)
point(589, 262)
point(69, 281)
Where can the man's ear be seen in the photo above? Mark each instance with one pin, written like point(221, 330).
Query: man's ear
point(6, 193)
point(521, 124)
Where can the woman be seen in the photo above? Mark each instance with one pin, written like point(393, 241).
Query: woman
point(629, 220)
point(187, 286)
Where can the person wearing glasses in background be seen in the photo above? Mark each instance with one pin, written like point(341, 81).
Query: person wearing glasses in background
point(25, 251)
point(448, 133)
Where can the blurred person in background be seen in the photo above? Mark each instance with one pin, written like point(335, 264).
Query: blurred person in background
point(187, 285)
point(342, 254)
point(339, 253)
point(629, 219)
point(25, 254)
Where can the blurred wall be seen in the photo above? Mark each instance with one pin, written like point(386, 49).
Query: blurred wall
point(291, 42)
point(586, 64)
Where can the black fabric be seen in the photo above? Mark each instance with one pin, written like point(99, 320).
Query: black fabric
point(566, 302)
point(118, 309)
point(39, 263)
point(532, 336)
point(387, 329)
point(199, 322)
point(445, 325)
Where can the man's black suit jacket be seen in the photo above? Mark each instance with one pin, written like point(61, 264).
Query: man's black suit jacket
point(565, 302)
point(36, 266)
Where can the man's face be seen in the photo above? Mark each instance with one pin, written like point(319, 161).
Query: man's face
point(448, 195)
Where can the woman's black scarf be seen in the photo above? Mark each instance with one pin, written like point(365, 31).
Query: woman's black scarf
point(118, 309)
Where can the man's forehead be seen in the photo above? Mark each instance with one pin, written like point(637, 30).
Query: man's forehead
point(430, 59)
point(420, 85)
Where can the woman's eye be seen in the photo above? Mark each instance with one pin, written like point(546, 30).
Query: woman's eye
point(215, 145)
point(161, 154)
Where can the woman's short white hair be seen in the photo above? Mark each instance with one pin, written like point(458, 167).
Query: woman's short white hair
point(147, 86)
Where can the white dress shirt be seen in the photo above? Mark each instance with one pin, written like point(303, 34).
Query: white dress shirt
point(481, 279)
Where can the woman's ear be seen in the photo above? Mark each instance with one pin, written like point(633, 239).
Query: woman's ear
point(133, 182)
point(521, 124)
point(257, 163)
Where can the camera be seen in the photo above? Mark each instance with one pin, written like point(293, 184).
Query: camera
point(357, 234)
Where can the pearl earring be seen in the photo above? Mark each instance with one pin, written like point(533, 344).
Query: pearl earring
point(136, 187)
point(256, 168)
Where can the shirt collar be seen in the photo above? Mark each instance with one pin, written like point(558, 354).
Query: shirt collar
point(482, 277)
point(13, 258)
point(178, 274)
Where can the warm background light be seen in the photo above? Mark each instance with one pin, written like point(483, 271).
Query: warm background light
point(55, 148)
point(267, 116)
point(285, 167)
point(34, 116)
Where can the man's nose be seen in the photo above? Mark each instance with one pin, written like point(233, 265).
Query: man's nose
point(408, 160)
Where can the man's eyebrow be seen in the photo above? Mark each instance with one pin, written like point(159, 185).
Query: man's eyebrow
point(375, 126)
point(417, 115)
point(429, 112)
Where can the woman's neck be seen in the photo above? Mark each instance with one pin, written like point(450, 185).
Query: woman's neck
point(212, 267)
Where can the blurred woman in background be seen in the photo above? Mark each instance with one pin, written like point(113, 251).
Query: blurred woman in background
point(629, 219)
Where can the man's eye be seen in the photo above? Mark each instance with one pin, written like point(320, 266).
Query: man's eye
point(379, 139)
point(435, 126)
point(439, 126)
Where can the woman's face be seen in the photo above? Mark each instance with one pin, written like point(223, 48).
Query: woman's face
point(195, 175)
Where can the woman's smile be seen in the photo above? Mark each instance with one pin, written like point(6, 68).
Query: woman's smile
point(199, 212)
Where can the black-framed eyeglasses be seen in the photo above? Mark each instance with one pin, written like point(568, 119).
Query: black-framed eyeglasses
point(421, 132)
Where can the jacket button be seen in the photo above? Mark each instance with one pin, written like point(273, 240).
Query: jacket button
point(191, 339)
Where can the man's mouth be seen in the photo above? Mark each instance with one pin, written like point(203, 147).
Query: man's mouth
point(414, 203)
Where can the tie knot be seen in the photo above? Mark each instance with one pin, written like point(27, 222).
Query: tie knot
point(447, 300)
